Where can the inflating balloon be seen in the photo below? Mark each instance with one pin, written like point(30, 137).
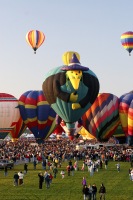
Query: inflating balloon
point(37, 114)
point(102, 118)
point(127, 41)
point(85, 134)
point(9, 113)
point(18, 129)
point(35, 39)
point(126, 115)
point(71, 90)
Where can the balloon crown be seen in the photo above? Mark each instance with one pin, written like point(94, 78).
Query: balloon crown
point(74, 65)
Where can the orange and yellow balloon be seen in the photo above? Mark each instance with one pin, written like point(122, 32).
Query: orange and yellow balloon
point(35, 39)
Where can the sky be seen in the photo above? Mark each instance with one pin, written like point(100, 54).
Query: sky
point(91, 28)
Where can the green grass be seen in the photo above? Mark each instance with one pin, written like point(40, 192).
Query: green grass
point(118, 185)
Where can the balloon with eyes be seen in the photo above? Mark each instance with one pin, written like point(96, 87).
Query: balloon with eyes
point(70, 90)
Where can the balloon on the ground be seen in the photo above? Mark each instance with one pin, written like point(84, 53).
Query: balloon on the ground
point(70, 90)
point(85, 134)
point(9, 113)
point(127, 41)
point(35, 39)
point(18, 129)
point(37, 114)
point(102, 118)
point(126, 115)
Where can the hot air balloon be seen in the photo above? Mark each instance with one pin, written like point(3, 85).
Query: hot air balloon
point(126, 115)
point(102, 118)
point(85, 134)
point(67, 56)
point(37, 114)
point(71, 90)
point(18, 129)
point(35, 39)
point(127, 41)
point(9, 113)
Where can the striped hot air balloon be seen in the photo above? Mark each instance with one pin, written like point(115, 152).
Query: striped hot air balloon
point(35, 39)
point(37, 114)
point(127, 41)
point(102, 119)
point(126, 115)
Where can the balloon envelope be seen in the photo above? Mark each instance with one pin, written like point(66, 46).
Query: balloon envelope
point(9, 113)
point(102, 118)
point(127, 41)
point(37, 114)
point(126, 115)
point(35, 39)
point(58, 87)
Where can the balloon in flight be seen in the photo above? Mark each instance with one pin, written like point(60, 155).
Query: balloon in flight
point(127, 41)
point(35, 39)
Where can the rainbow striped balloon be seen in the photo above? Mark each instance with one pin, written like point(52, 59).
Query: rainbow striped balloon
point(102, 118)
point(126, 115)
point(127, 41)
point(35, 39)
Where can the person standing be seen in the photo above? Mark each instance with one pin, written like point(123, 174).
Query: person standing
point(55, 171)
point(21, 177)
point(85, 192)
point(94, 191)
point(41, 180)
point(118, 167)
point(106, 163)
point(5, 170)
point(25, 168)
point(34, 164)
point(102, 192)
point(16, 177)
point(89, 192)
point(84, 181)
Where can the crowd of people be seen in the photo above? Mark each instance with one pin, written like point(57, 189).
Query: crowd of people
point(52, 153)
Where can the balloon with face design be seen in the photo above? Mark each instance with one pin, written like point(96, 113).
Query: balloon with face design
point(71, 90)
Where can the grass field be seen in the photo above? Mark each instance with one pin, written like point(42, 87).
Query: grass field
point(118, 185)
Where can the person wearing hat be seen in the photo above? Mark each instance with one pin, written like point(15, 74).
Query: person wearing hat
point(74, 76)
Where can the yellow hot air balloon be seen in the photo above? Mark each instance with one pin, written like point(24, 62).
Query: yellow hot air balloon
point(85, 134)
point(35, 39)
point(68, 55)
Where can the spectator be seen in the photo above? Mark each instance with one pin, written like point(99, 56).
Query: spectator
point(16, 177)
point(41, 180)
point(47, 180)
point(85, 192)
point(84, 181)
point(68, 169)
point(118, 167)
point(62, 174)
point(5, 170)
point(89, 192)
point(106, 163)
point(102, 192)
point(34, 164)
point(21, 176)
point(94, 191)
point(55, 171)
point(25, 168)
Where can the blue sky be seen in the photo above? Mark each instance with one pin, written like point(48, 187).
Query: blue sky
point(92, 28)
